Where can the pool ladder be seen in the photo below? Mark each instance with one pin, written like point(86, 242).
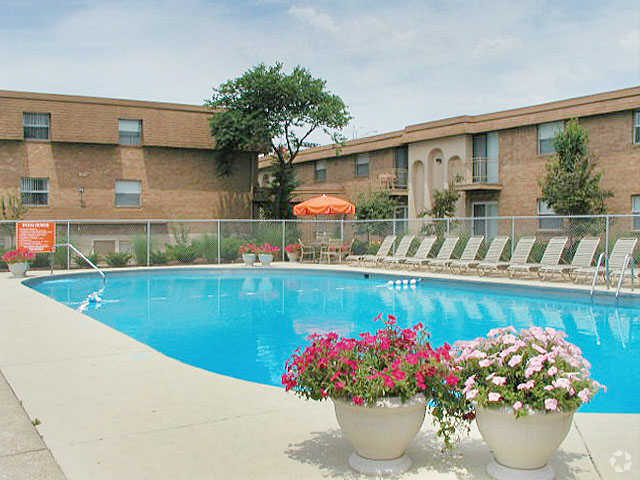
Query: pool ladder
point(80, 254)
point(627, 264)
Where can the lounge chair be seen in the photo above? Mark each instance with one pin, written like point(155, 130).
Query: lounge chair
point(493, 255)
point(469, 253)
point(444, 254)
point(551, 256)
point(520, 255)
point(401, 251)
point(421, 254)
point(583, 258)
point(383, 251)
point(622, 248)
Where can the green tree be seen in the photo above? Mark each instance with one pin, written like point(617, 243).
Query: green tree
point(444, 202)
point(571, 185)
point(269, 111)
point(374, 205)
point(11, 208)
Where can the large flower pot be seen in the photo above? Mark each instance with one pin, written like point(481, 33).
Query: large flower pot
point(249, 259)
point(265, 259)
point(522, 446)
point(381, 434)
point(18, 269)
point(293, 256)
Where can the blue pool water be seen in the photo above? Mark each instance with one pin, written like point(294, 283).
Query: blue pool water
point(246, 323)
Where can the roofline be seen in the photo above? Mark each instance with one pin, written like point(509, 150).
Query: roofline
point(121, 102)
point(466, 124)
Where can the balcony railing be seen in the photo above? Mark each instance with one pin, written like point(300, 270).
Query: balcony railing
point(485, 170)
point(394, 179)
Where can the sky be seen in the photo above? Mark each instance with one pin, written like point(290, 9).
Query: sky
point(393, 63)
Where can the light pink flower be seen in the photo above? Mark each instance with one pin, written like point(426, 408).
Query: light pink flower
point(538, 348)
point(499, 380)
point(494, 397)
point(471, 394)
point(515, 361)
point(551, 404)
point(562, 383)
point(584, 395)
point(517, 406)
point(552, 371)
point(527, 385)
point(548, 388)
point(477, 354)
point(470, 381)
point(486, 362)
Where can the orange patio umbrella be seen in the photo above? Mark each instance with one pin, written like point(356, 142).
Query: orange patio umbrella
point(324, 205)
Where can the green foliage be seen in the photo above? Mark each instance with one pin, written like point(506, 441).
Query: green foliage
point(11, 208)
point(571, 185)
point(270, 111)
point(93, 258)
point(182, 252)
point(537, 251)
point(158, 257)
point(140, 250)
point(117, 259)
point(374, 205)
point(444, 202)
point(207, 247)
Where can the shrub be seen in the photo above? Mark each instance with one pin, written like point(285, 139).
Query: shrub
point(230, 247)
point(140, 250)
point(79, 261)
point(183, 253)
point(42, 260)
point(537, 251)
point(159, 258)
point(117, 259)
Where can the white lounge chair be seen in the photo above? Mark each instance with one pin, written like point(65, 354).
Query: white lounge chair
point(496, 248)
point(469, 254)
point(520, 255)
point(582, 258)
point(401, 251)
point(622, 248)
point(383, 251)
point(444, 254)
point(551, 256)
point(421, 254)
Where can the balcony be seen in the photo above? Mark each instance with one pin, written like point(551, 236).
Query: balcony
point(396, 181)
point(480, 174)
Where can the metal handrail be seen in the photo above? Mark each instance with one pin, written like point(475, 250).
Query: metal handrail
point(595, 274)
point(628, 259)
point(68, 245)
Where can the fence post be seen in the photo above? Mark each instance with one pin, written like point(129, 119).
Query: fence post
point(394, 226)
point(606, 247)
point(148, 242)
point(68, 241)
point(513, 234)
point(342, 231)
point(448, 225)
point(284, 228)
point(219, 242)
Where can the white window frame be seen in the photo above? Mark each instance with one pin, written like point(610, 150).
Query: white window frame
point(363, 160)
point(36, 120)
point(129, 137)
point(556, 127)
point(635, 210)
point(320, 166)
point(128, 182)
point(636, 127)
point(116, 243)
point(556, 223)
point(33, 191)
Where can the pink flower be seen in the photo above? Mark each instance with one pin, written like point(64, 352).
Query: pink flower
point(548, 388)
point(388, 382)
point(470, 381)
point(499, 380)
point(452, 380)
point(494, 397)
point(527, 385)
point(552, 371)
point(562, 383)
point(517, 406)
point(399, 375)
point(551, 404)
point(515, 360)
point(358, 400)
point(584, 395)
point(477, 354)
point(471, 394)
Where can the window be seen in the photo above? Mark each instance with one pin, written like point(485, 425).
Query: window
point(636, 127)
point(321, 170)
point(401, 164)
point(635, 209)
point(551, 223)
point(128, 193)
point(34, 191)
point(362, 165)
point(36, 125)
point(130, 132)
point(546, 134)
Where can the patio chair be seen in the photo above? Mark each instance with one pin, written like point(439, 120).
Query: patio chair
point(582, 258)
point(520, 255)
point(622, 248)
point(444, 254)
point(421, 254)
point(551, 256)
point(469, 253)
point(306, 251)
point(383, 251)
point(401, 251)
point(496, 248)
point(336, 249)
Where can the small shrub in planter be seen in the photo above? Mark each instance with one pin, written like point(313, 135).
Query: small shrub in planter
point(117, 259)
point(158, 258)
point(79, 261)
point(182, 252)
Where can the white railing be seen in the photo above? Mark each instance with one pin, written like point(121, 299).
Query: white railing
point(485, 170)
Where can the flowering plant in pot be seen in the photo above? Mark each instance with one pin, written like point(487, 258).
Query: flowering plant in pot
point(293, 251)
point(381, 385)
point(525, 387)
point(248, 252)
point(18, 261)
point(265, 253)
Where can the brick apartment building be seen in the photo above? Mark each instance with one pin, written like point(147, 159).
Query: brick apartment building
point(494, 160)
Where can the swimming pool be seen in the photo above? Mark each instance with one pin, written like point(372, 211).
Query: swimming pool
point(246, 323)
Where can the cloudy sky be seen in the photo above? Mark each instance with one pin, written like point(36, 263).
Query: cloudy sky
point(393, 63)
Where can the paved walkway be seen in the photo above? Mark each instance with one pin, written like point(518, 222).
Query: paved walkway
point(113, 408)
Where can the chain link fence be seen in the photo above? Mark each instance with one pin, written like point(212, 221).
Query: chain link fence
point(166, 242)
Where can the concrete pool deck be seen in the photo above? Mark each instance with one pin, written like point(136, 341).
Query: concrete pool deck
point(114, 408)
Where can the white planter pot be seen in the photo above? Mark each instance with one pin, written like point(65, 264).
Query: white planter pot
point(522, 446)
point(293, 256)
point(381, 434)
point(18, 269)
point(249, 259)
point(265, 259)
